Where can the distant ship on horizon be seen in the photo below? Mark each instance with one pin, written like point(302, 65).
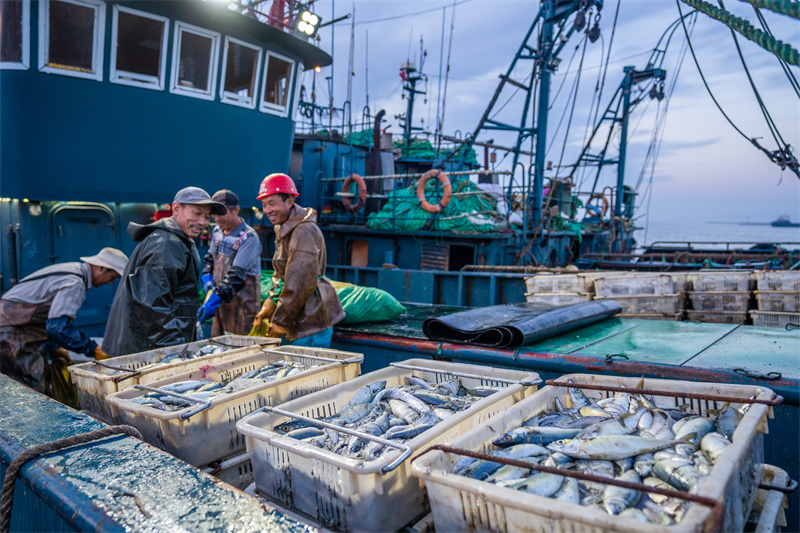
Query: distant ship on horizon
point(784, 222)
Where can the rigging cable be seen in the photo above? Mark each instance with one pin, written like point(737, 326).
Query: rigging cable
point(447, 69)
point(792, 80)
point(566, 106)
point(784, 160)
point(572, 110)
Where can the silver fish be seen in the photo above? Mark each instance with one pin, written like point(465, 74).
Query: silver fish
point(569, 491)
point(727, 422)
point(713, 444)
point(643, 464)
point(616, 499)
point(694, 429)
point(609, 447)
point(542, 484)
point(679, 475)
point(576, 396)
point(535, 435)
point(365, 394)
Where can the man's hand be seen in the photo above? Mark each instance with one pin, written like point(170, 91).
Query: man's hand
point(208, 282)
point(209, 308)
point(61, 352)
point(266, 312)
point(100, 355)
point(276, 330)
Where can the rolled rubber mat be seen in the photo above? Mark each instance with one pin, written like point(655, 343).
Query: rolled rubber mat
point(512, 325)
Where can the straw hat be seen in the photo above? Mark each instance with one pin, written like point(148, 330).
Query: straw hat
point(109, 258)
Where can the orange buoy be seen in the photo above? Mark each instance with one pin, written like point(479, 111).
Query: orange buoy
point(599, 197)
point(448, 191)
point(362, 193)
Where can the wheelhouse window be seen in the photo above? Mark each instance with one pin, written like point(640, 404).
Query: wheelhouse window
point(194, 61)
point(139, 53)
point(71, 37)
point(15, 17)
point(277, 84)
point(241, 70)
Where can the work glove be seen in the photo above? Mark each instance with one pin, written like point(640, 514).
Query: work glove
point(276, 330)
point(208, 282)
point(100, 355)
point(209, 308)
point(61, 352)
point(266, 312)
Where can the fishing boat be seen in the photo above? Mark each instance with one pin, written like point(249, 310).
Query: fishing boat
point(135, 100)
point(784, 222)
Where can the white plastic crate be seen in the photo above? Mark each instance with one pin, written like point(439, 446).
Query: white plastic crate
point(718, 317)
point(720, 281)
point(96, 380)
point(718, 301)
point(775, 319)
point(559, 298)
point(768, 510)
point(632, 285)
point(666, 304)
point(777, 280)
point(654, 316)
point(210, 435)
point(788, 302)
point(350, 494)
point(464, 504)
point(558, 283)
point(236, 471)
point(680, 281)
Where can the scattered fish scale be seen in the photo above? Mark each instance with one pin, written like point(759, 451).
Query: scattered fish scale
point(204, 389)
point(397, 413)
point(625, 437)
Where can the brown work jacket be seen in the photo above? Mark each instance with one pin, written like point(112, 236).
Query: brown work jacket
point(307, 301)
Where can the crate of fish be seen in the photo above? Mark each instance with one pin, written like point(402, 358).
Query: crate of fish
point(717, 317)
point(775, 319)
point(193, 415)
point(632, 285)
point(717, 301)
point(694, 440)
point(675, 317)
point(236, 471)
point(665, 304)
point(721, 281)
point(559, 283)
point(341, 456)
point(97, 379)
point(777, 280)
point(787, 302)
point(559, 298)
point(767, 515)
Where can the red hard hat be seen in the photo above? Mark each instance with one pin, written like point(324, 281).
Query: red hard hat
point(276, 183)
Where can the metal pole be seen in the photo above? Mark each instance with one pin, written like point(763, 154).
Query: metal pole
point(616, 246)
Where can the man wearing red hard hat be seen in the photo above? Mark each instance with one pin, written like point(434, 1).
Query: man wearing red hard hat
point(302, 306)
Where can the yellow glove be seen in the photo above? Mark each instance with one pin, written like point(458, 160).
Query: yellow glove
point(276, 330)
point(100, 355)
point(266, 312)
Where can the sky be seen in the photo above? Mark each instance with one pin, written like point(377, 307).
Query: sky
point(705, 170)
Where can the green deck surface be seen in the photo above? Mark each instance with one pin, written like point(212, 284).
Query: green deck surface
point(756, 350)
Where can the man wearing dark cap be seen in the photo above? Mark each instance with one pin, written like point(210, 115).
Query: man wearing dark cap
point(156, 302)
point(231, 272)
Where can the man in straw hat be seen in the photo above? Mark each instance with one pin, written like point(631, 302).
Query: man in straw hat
point(156, 302)
point(36, 317)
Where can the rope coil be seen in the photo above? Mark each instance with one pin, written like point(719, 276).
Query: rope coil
point(7, 496)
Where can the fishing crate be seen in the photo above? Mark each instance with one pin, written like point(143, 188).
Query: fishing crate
point(777, 280)
point(721, 281)
point(97, 379)
point(675, 317)
point(717, 317)
point(717, 301)
point(665, 304)
point(236, 471)
point(767, 515)
point(558, 298)
point(353, 494)
point(633, 285)
point(788, 302)
point(200, 437)
point(559, 283)
point(463, 504)
point(775, 319)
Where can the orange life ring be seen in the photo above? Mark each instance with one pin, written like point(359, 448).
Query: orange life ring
point(362, 193)
point(601, 197)
point(448, 191)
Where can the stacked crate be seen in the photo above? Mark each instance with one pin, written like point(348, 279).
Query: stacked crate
point(778, 297)
point(720, 297)
point(559, 289)
point(642, 295)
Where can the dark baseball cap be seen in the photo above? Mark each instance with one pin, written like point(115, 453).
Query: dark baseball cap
point(226, 198)
point(197, 196)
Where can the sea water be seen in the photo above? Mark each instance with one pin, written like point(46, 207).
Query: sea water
point(720, 232)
